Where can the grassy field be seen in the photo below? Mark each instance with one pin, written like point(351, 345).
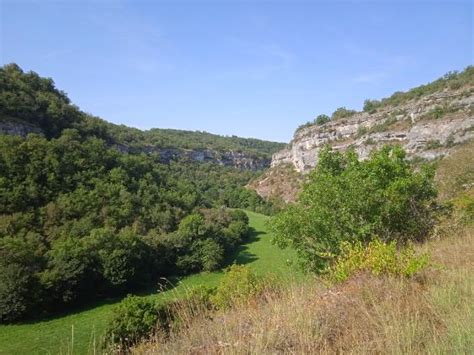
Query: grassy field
point(80, 332)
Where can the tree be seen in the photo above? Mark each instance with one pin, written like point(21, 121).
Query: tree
point(342, 112)
point(350, 200)
point(20, 262)
point(370, 106)
point(322, 119)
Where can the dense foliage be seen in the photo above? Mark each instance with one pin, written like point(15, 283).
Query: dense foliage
point(350, 200)
point(134, 319)
point(81, 220)
point(27, 97)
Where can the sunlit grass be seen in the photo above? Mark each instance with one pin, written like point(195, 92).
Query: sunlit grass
point(81, 331)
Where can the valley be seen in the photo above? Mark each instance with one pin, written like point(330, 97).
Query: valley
point(114, 239)
point(81, 331)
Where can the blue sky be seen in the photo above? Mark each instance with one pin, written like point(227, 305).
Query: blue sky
point(247, 68)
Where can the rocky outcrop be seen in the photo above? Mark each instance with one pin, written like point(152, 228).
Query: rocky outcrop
point(427, 128)
point(281, 182)
point(16, 127)
point(227, 158)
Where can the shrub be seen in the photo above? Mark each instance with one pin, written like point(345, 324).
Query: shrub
point(236, 288)
point(134, 319)
point(304, 125)
point(450, 142)
point(342, 112)
point(20, 289)
point(433, 144)
point(350, 200)
point(435, 113)
point(211, 255)
point(322, 119)
point(202, 296)
point(371, 106)
point(377, 258)
point(370, 141)
point(455, 84)
point(361, 131)
point(319, 120)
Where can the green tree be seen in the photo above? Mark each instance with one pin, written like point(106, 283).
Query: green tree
point(322, 119)
point(350, 200)
point(371, 106)
point(20, 263)
point(342, 112)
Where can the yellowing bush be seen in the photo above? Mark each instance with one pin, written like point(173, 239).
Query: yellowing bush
point(236, 288)
point(377, 258)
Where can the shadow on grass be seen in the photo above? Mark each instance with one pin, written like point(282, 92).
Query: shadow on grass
point(240, 255)
point(72, 311)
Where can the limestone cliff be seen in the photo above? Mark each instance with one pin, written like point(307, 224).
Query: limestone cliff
point(426, 127)
point(229, 158)
point(234, 159)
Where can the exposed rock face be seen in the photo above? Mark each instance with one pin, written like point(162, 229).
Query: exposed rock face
point(17, 128)
point(281, 182)
point(413, 125)
point(229, 158)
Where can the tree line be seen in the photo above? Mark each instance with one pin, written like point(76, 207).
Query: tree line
point(80, 220)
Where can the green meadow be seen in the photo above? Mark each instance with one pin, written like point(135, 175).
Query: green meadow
point(80, 332)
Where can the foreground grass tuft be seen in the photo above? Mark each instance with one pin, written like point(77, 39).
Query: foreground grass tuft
point(432, 312)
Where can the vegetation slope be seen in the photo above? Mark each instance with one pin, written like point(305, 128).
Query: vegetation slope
point(82, 331)
point(413, 298)
point(31, 99)
point(81, 221)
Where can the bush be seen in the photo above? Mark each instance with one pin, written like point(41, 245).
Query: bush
point(134, 319)
point(371, 106)
point(342, 112)
point(20, 289)
point(201, 296)
point(236, 288)
point(377, 258)
point(211, 255)
point(350, 200)
point(435, 113)
point(362, 130)
point(322, 119)
point(433, 144)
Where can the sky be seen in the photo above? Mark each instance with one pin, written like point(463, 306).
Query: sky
point(246, 68)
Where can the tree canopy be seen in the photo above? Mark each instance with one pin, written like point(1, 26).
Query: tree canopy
point(348, 200)
point(81, 220)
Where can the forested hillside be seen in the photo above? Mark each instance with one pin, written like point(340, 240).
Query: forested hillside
point(30, 103)
point(81, 220)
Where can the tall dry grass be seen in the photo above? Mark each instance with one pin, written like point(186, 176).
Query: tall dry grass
point(432, 313)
